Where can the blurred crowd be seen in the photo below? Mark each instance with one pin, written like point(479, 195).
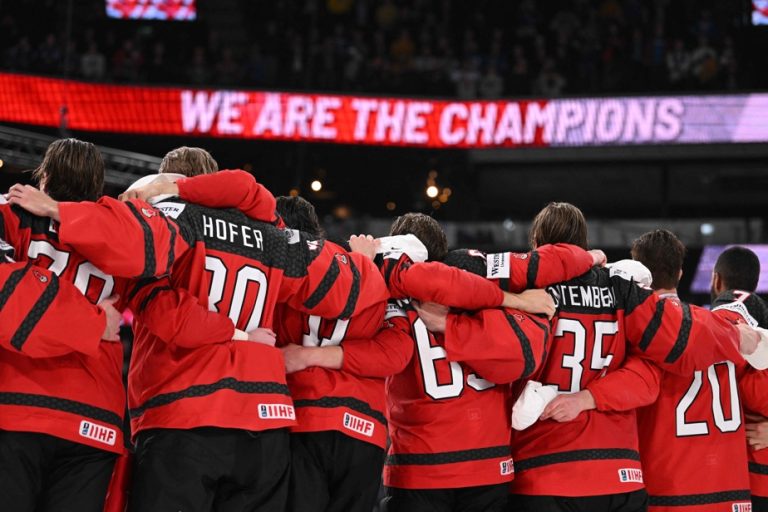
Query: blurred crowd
point(486, 48)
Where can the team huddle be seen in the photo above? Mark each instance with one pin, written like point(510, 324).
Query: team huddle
point(274, 370)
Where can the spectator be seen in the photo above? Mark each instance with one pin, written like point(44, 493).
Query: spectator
point(93, 64)
point(49, 56)
point(19, 57)
point(127, 61)
point(491, 85)
point(198, 71)
point(465, 79)
point(157, 68)
point(678, 65)
point(728, 64)
point(520, 72)
point(549, 83)
point(704, 62)
point(227, 69)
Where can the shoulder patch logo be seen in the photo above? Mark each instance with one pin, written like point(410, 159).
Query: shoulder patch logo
point(40, 276)
point(148, 213)
point(342, 258)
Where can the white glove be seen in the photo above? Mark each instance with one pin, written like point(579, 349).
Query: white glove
point(394, 246)
point(631, 269)
point(531, 404)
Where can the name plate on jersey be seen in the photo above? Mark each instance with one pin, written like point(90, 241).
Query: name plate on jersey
point(171, 209)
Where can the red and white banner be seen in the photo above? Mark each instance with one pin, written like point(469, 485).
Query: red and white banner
point(384, 121)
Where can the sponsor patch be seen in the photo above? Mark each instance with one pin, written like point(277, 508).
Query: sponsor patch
point(359, 425)
point(507, 467)
point(497, 265)
point(170, 209)
point(98, 433)
point(741, 507)
point(394, 311)
point(631, 475)
point(276, 412)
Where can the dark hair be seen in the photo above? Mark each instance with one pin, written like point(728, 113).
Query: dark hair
point(739, 269)
point(426, 229)
point(72, 170)
point(298, 213)
point(663, 253)
point(559, 223)
point(188, 161)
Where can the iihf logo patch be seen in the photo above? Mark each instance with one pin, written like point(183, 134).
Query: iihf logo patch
point(507, 467)
point(98, 433)
point(631, 475)
point(741, 507)
point(148, 213)
point(276, 412)
point(359, 425)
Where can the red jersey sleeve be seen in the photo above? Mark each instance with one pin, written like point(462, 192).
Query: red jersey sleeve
point(635, 384)
point(35, 306)
point(753, 387)
point(545, 265)
point(437, 282)
point(125, 239)
point(500, 345)
point(386, 354)
point(175, 316)
point(677, 336)
point(328, 281)
point(231, 189)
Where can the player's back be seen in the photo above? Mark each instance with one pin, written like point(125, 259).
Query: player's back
point(235, 266)
point(449, 427)
point(332, 399)
point(82, 397)
point(692, 442)
point(596, 453)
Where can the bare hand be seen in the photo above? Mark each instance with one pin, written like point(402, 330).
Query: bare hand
point(757, 435)
point(33, 200)
point(262, 335)
point(161, 185)
point(112, 329)
point(531, 301)
point(433, 315)
point(295, 357)
point(364, 244)
point(749, 339)
point(598, 257)
point(568, 406)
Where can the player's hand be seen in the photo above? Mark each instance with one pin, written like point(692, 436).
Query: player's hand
point(433, 315)
point(262, 335)
point(112, 329)
point(757, 433)
point(598, 257)
point(531, 301)
point(33, 200)
point(568, 406)
point(749, 339)
point(161, 185)
point(295, 357)
point(364, 244)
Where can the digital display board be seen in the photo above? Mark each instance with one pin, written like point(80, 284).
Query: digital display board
point(382, 121)
point(170, 10)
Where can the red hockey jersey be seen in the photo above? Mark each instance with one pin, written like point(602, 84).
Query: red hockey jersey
point(599, 315)
point(236, 266)
point(449, 427)
point(78, 395)
point(34, 307)
point(752, 309)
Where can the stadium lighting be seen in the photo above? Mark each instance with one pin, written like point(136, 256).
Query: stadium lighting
point(316, 185)
point(707, 229)
point(1, 162)
point(432, 191)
